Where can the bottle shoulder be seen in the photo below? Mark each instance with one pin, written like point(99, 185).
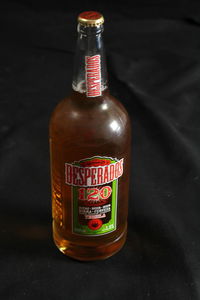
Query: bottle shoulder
point(77, 105)
point(76, 116)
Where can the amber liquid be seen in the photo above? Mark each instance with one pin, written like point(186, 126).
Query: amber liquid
point(82, 127)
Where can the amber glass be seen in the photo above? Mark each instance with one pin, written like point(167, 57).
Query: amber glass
point(83, 127)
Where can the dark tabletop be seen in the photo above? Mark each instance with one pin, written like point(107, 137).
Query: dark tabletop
point(153, 57)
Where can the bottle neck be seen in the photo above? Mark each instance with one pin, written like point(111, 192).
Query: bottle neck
point(90, 74)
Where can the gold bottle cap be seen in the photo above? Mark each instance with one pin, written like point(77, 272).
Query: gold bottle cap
point(90, 18)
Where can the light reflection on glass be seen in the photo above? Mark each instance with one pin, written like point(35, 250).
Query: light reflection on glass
point(75, 114)
point(104, 106)
point(115, 126)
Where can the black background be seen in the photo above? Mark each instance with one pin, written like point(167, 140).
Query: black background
point(153, 56)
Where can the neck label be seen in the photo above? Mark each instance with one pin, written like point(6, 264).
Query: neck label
point(93, 75)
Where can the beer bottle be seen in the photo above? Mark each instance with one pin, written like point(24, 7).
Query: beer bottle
point(90, 138)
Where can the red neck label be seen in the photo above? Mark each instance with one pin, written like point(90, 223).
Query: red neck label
point(93, 75)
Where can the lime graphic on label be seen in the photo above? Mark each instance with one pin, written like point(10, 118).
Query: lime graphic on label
point(95, 224)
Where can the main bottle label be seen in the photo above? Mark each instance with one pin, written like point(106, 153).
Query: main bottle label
point(94, 184)
point(93, 75)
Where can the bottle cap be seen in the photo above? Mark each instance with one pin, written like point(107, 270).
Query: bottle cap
point(90, 18)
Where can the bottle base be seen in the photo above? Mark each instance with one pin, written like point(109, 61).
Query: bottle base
point(90, 253)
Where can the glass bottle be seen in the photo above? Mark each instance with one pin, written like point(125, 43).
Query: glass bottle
point(90, 137)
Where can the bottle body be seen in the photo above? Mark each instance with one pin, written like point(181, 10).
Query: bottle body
point(96, 133)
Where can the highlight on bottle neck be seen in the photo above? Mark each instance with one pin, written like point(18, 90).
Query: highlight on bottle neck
point(90, 75)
